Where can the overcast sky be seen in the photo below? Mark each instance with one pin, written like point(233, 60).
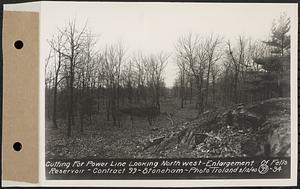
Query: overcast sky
point(155, 27)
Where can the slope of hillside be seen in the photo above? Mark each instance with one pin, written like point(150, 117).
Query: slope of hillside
point(242, 130)
point(261, 129)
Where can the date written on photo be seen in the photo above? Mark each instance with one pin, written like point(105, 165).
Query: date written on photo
point(168, 168)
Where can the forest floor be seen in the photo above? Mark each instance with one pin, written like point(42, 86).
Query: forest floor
point(226, 133)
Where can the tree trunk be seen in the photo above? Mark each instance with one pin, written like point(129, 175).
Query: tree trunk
point(236, 85)
point(158, 97)
point(54, 105)
point(98, 97)
point(191, 91)
point(207, 83)
point(199, 97)
point(48, 101)
point(55, 93)
point(213, 90)
point(70, 115)
point(182, 90)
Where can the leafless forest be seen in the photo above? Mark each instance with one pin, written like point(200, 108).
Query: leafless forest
point(228, 99)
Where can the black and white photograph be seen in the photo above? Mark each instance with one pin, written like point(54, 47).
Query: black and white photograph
point(167, 81)
point(150, 94)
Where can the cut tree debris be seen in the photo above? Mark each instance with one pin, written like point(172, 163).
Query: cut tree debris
point(261, 129)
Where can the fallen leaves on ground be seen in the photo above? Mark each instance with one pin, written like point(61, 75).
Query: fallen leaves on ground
point(223, 140)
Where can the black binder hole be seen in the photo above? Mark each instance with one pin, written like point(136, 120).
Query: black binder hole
point(17, 146)
point(18, 44)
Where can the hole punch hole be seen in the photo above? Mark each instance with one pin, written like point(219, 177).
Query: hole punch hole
point(17, 146)
point(19, 44)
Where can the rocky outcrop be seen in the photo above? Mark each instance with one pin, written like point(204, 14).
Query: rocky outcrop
point(261, 129)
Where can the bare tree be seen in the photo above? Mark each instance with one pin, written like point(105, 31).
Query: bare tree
point(140, 74)
point(113, 59)
point(215, 71)
point(71, 50)
point(155, 65)
point(48, 80)
point(182, 72)
point(237, 58)
point(213, 55)
point(191, 51)
point(86, 77)
point(56, 43)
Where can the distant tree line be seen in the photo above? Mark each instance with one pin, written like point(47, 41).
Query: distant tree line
point(214, 72)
